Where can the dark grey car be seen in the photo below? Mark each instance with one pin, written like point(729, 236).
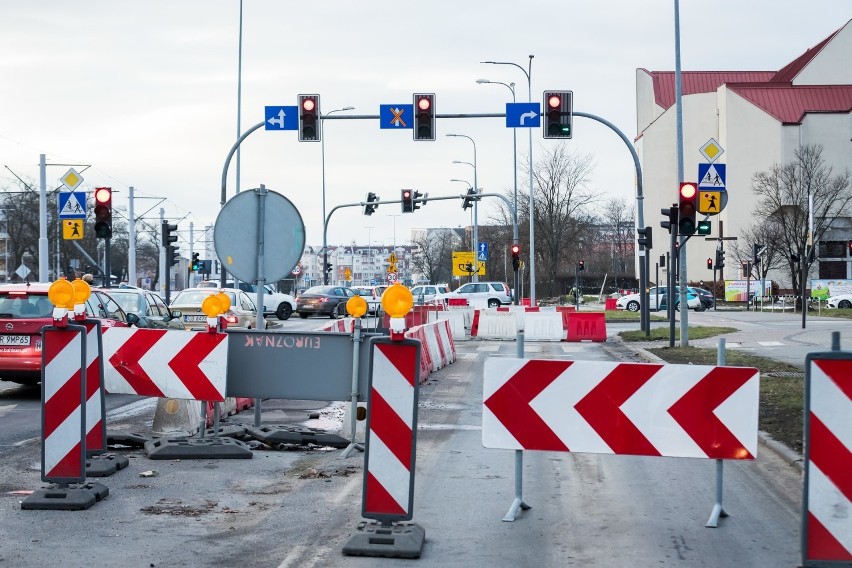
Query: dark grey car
point(324, 300)
point(149, 306)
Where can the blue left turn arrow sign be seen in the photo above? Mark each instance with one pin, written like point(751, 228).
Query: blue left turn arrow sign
point(282, 118)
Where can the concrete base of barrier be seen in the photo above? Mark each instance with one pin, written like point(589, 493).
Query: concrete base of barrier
point(398, 540)
point(176, 417)
point(360, 423)
point(197, 449)
point(104, 465)
point(65, 498)
point(275, 435)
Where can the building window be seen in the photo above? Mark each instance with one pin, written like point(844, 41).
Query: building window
point(833, 249)
point(836, 269)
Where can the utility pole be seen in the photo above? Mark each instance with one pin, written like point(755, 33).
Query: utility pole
point(721, 247)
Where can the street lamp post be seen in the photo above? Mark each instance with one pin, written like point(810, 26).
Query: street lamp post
point(511, 87)
point(475, 208)
point(528, 73)
point(324, 231)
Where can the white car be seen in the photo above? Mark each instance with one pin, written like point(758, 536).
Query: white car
point(631, 302)
point(282, 305)
point(492, 294)
point(841, 301)
point(425, 293)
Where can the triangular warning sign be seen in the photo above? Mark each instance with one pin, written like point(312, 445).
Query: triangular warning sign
point(72, 207)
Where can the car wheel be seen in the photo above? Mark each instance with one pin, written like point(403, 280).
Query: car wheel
point(677, 306)
point(633, 306)
point(700, 308)
point(493, 303)
point(335, 312)
point(844, 304)
point(284, 311)
point(303, 316)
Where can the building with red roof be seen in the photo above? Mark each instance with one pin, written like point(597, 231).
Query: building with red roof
point(759, 119)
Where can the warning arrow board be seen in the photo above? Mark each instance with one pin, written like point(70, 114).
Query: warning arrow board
point(621, 408)
point(165, 363)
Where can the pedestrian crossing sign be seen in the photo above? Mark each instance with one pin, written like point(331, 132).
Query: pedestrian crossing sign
point(72, 204)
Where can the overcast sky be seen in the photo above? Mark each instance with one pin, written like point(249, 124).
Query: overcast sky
point(145, 93)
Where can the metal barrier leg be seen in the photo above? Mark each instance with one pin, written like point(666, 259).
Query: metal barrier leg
point(356, 356)
point(718, 510)
point(518, 503)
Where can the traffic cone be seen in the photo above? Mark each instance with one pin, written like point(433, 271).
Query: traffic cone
point(176, 417)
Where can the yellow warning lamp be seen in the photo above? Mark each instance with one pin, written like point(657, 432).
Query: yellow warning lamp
point(211, 306)
point(356, 306)
point(224, 302)
point(397, 301)
point(82, 291)
point(61, 294)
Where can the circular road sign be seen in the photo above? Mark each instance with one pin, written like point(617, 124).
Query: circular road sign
point(236, 237)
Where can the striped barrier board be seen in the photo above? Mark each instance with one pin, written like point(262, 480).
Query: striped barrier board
point(694, 411)
point(96, 440)
point(827, 500)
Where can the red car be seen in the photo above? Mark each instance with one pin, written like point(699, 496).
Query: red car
point(24, 310)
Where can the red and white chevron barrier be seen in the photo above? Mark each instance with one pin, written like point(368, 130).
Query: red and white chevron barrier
point(96, 441)
point(621, 408)
point(165, 363)
point(63, 400)
point(827, 503)
point(391, 430)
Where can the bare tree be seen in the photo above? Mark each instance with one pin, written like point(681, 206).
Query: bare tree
point(617, 218)
point(783, 195)
point(434, 254)
point(562, 209)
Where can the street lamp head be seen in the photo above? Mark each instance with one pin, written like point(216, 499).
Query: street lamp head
point(453, 134)
point(348, 108)
point(482, 81)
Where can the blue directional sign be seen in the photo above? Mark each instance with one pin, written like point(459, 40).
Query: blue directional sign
point(72, 204)
point(482, 253)
point(396, 116)
point(281, 118)
point(523, 115)
point(711, 176)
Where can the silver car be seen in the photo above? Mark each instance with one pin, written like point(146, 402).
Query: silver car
point(241, 314)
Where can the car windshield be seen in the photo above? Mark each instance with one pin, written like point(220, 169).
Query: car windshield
point(129, 301)
point(321, 290)
point(25, 305)
point(194, 297)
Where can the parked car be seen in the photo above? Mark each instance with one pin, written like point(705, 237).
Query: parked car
point(493, 293)
point(372, 295)
point(324, 300)
point(841, 301)
point(148, 306)
point(275, 303)
point(425, 293)
point(242, 313)
point(706, 296)
point(24, 310)
point(657, 295)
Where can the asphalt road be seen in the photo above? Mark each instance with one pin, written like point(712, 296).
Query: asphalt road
point(298, 508)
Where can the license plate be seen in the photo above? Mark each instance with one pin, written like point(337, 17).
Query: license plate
point(14, 340)
point(194, 319)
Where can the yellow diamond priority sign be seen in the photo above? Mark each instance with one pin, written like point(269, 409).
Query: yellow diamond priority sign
point(71, 179)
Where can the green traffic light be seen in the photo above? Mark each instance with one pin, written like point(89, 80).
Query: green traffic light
point(703, 228)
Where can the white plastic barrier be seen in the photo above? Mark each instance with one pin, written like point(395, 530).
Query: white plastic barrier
point(477, 303)
point(436, 352)
point(445, 337)
point(455, 321)
point(497, 325)
point(544, 326)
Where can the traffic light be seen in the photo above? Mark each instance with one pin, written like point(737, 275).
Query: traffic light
point(757, 250)
point(407, 201)
point(173, 256)
point(720, 258)
point(687, 208)
point(581, 265)
point(709, 264)
point(850, 248)
point(703, 228)
point(645, 237)
point(195, 266)
point(415, 199)
point(168, 234)
point(369, 207)
point(310, 127)
point(558, 114)
point(516, 256)
point(424, 116)
point(671, 214)
point(469, 199)
point(103, 212)
point(328, 267)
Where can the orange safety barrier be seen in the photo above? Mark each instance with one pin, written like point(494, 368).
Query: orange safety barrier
point(609, 304)
point(586, 326)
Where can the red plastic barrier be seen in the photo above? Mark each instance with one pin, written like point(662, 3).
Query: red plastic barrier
point(244, 404)
point(586, 326)
point(474, 325)
point(456, 301)
point(609, 304)
point(566, 309)
point(525, 301)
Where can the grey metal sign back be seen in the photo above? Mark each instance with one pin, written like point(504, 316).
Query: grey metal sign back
point(294, 365)
point(259, 235)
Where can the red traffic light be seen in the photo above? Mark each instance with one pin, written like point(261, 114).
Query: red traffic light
point(424, 103)
point(709, 264)
point(516, 249)
point(103, 195)
point(424, 116)
point(688, 190)
point(687, 208)
point(309, 118)
point(553, 101)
